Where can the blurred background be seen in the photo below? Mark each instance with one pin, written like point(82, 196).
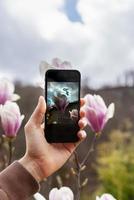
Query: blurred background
point(96, 36)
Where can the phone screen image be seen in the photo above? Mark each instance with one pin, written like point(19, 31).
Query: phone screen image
point(63, 104)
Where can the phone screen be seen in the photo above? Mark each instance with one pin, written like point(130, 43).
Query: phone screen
point(63, 104)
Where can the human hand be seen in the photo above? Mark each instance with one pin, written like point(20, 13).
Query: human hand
point(42, 158)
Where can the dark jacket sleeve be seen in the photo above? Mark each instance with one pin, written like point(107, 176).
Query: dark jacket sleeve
point(16, 183)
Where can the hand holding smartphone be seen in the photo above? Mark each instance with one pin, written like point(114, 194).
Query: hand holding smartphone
point(62, 94)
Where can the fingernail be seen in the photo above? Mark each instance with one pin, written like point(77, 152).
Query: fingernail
point(40, 97)
point(83, 135)
point(85, 123)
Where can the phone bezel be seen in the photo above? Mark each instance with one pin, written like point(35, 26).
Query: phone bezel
point(53, 134)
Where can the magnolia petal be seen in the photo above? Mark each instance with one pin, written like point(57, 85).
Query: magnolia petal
point(60, 102)
point(66, 65)
point(56, 62)
point(85, 110)
point(66, 191)
point(88, 99)
point(1, 106)
point(6, 90)
point(38, 196)
point(8, 125)
point(11, 107)
point(96, 102)
point(15, 97)
point(97, 198)
point(53, 195)
point(110, 111)
point(107, 197)
point(100, 101)
point(90, 102)
point(92, 119)
point(7, 85)
point(43, 67)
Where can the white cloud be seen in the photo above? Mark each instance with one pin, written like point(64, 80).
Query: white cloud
point(110, 28)
point(102, 47)
point(42, 15)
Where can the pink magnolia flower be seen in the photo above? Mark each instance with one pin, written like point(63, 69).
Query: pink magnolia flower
point(11, 118)
point(60, 102)
point(7, 91)
point(64, 193)
point(105, 197)
point(56, 63)
point(38, 196)
point(97, 113)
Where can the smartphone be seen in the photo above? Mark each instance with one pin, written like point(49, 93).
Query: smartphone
point(62, 94)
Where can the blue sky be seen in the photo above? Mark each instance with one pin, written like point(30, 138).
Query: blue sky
point(70, 8)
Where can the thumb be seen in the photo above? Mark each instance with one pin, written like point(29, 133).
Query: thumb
point(39, 112)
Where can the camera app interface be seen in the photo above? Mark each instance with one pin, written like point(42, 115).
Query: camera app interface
point(62, 102)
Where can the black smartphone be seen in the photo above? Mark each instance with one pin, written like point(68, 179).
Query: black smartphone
point(62, 94)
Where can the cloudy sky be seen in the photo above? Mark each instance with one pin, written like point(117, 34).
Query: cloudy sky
point(97, 36)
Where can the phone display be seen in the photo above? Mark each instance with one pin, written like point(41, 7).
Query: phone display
point(63, 105)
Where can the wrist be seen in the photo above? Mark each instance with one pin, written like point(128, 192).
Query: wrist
point(32, 167)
